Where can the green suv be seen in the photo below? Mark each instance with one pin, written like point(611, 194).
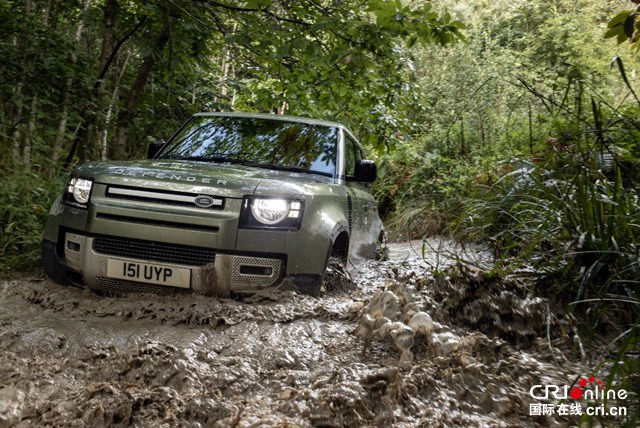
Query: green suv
point(231, 203)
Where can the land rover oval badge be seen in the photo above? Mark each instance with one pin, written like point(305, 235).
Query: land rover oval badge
point(203, 201)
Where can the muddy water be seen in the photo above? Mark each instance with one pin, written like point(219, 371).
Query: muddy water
point(71, 358)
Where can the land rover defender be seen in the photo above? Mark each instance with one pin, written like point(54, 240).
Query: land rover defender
point(232, 202)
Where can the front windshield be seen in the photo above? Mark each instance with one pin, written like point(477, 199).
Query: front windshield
point(257, 142)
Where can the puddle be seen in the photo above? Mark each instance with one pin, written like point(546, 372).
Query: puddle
point(71, 358)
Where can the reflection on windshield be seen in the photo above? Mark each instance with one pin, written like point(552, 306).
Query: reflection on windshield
point(257, 140)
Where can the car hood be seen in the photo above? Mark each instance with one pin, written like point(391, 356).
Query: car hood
point(229, 180)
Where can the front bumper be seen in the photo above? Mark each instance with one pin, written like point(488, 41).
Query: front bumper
point(112, 264)
point(109, 245)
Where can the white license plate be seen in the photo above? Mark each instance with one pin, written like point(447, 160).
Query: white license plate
point(149, 273)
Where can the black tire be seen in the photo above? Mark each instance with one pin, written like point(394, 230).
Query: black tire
point(55, 268)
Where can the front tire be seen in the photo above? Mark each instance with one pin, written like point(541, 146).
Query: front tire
point(54, 267)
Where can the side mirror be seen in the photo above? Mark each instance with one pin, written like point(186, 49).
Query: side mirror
point(154, 148)
point(365, 171)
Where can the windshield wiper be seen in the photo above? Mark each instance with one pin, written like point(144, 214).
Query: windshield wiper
point(289, 168)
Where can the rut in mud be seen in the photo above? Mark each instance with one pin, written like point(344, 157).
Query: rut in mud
point(71, 358)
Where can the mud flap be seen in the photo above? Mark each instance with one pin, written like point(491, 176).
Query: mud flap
point(216, 277)
point(312, 285)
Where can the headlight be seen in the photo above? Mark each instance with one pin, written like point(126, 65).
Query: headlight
point(78, 191)
point(274, 213)
point(270, 211)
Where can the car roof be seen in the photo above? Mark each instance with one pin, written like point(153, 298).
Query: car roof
point(284, 118)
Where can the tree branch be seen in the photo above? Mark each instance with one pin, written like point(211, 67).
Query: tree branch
point(228, 6)
point(113, 54)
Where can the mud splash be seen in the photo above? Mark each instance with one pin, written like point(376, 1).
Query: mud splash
point(69, 357)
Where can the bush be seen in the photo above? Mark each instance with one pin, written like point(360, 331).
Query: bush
point(422, 192)
point(567, 214)
point(25, 198)
point(575, 224)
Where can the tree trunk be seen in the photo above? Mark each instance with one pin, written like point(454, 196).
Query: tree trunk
point(104, 146)
point(66, 99)
point(31, 132)
point(126, 115)
point(16, 140)
point(18, 137)
point(83, 142)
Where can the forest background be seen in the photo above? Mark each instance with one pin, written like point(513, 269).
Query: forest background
point(511, 122)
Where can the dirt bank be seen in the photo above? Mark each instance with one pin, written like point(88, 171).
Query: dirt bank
point(71, 358)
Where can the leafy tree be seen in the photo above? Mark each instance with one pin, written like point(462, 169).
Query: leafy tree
point(105, 72)
point(625, 26)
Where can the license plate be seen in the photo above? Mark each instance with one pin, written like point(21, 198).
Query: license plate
point(149, 273)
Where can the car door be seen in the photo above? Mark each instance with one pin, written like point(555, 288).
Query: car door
point(364, 221)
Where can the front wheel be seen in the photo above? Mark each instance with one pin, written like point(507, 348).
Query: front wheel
point(55, 269)
point(337, 277)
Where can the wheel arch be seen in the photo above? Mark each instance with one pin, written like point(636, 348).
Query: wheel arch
point(340, 246)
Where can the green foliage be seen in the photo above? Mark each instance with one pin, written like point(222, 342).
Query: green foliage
point(25, 199)
point(568, 219)
point(95, 72)
point(341, 64)
point(420, 192)
point(571, 209)
point(502, 95)
point(625, 26)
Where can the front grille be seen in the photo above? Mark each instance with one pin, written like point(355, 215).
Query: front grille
point(155, 251)
point(121, 286)
point(158, 223)
point(167, 198)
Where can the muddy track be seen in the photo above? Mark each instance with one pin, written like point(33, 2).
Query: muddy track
point(69, 357)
